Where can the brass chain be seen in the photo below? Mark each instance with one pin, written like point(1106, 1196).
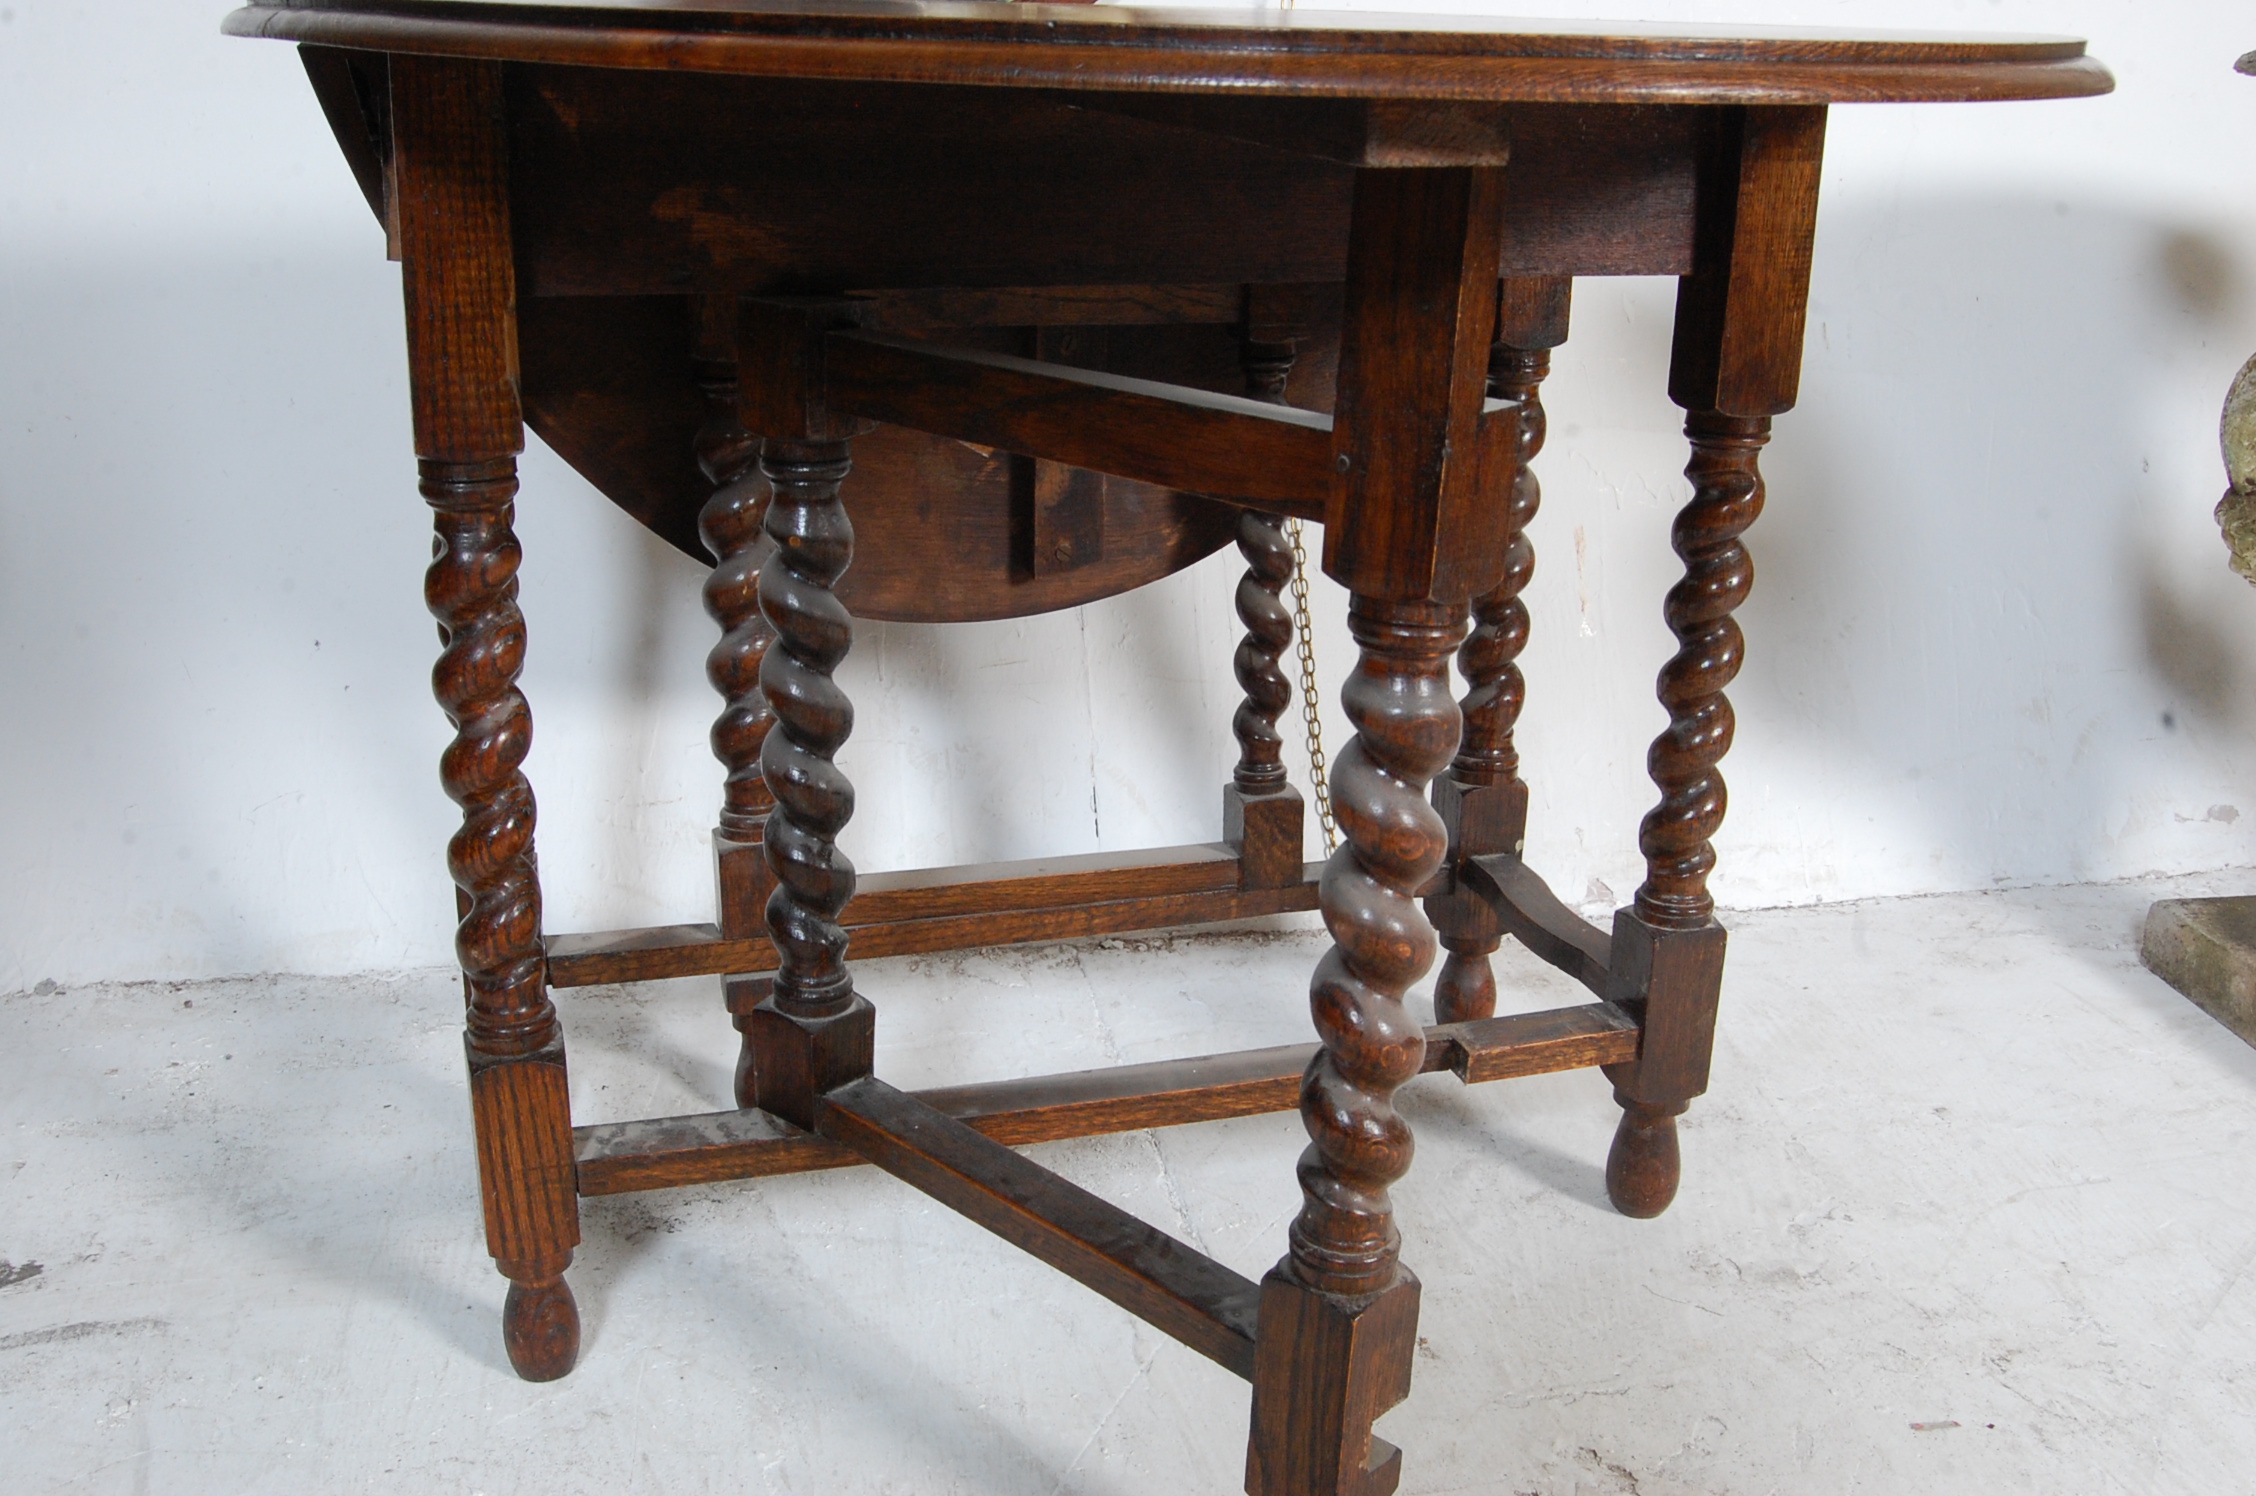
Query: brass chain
point(1312, 722)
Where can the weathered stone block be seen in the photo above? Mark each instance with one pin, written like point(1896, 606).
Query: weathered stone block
point(2206, 948)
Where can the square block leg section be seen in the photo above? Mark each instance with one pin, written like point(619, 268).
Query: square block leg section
point(742, 996)
point(1324, 1369)
point(741, 885)
point(1470, 932)
point(796, 1058)
point(1669, 980)
point(1482, 818)
point(522, 1113)
point(1266, 830)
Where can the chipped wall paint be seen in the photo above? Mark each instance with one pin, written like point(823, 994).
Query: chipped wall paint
point(1993, 637)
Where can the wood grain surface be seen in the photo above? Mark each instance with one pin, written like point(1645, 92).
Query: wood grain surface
point(609, 385)
point(1224, 446)
point(698, 950)
point(669, 1152)
point(1532, 914)
point(1238, 50)
point(1139, 1267)
point(1051, 898)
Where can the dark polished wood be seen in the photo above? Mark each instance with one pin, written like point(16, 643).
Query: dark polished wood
point(1225, 446)
point(1521, 905)
point(354, 90)
point(670, 1152)
point(1489, 661)
point(454, 232)
point(1417, 447)
point(1482, 798)
point(939, 909)
point(1325, 1368)
point(1727, 495)
point(1344, 1241)
point(812, 542)
point(1739, 314)
point(730, 526)
point(609, 384)
point(896, 186)
point(1269, 629)
point(1056, 300)
point(1142, 1269)
point(1262, 813)
point(1735, 362)
point(813, 1031)
point(1339, 1313)
point(1445, 59)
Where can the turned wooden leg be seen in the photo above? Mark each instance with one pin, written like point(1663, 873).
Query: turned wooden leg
point(1262, 813)
point(1734, 364)
point(1667, 960)
point(1482, 798)
point(730, 526)
point(1643, 1166)
point(1413, 528)
point(1260, 769)
point(451, 188)
point(1339, 1313)
point(515, 1046)
point(813, 1031)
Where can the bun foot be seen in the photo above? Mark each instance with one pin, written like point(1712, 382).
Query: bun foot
point(1643, 1167)
point(1466, 988)
point(540, 1324)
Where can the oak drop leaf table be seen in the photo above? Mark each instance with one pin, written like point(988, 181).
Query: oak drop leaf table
point(1079, 294)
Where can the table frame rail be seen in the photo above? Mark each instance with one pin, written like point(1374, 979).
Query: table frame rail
point(671, 1152)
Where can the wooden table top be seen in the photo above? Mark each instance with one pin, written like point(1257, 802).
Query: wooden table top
point(1242, 51)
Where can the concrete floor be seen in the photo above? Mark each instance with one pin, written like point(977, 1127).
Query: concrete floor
point(1965, 1211)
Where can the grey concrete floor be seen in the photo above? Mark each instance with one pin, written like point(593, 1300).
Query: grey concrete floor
point(1966, 1210)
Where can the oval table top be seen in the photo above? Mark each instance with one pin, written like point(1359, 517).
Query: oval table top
point(1249, 50)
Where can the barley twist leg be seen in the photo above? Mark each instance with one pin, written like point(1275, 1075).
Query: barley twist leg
point(515, 1046)
point(1269, 631)
point(1339, 1314)
point(1490, 798)
point(813, 1032)
point(1670, 928)
point(730, 526)
point(1261, 811)
point(1727, 496)
point(1406, 725)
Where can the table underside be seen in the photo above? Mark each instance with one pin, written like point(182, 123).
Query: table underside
point(1117, 234)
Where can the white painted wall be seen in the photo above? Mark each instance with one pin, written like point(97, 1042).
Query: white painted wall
point(1993, 637)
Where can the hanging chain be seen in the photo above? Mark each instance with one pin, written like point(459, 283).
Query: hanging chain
point(1312, 723)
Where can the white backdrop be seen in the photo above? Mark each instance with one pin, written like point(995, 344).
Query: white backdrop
point(1993, 638)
